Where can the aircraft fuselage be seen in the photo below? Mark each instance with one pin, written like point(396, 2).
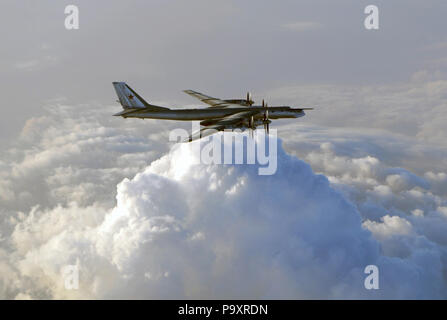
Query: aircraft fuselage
point(210, 113)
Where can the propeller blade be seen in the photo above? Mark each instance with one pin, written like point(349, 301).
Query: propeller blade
point(249, 101)
point(266, 117)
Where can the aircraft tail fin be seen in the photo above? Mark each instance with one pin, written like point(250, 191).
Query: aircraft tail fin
point(130, 99)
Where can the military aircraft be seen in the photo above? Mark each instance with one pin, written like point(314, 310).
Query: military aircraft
point(221, 115)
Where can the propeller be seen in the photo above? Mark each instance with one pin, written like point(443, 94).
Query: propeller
point(251, 124)
point(249, 101)
point(266, 117)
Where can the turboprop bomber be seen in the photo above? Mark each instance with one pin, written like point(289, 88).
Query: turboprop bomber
point(220, 115)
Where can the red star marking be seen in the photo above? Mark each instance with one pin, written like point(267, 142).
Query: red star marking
point(130, 97)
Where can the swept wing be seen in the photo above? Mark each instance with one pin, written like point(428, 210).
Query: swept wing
point(223, 123)
point(215, 102)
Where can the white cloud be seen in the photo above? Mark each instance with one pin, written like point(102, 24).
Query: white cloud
point(389, 226)
point(172, 236)
point(404, 110)
point(36, 64)
point(26, 65)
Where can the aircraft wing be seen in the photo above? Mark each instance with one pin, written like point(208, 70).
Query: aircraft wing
point(213, 102)
point(221, 124)
point(204, 132)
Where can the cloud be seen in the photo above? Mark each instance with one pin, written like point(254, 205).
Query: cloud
point(43, 60)
point(389, 226)
point(26, 65)
point(67, 155)
point(417, 107)
point(217, 231)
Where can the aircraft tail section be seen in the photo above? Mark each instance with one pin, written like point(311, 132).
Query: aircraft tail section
point(129, 99)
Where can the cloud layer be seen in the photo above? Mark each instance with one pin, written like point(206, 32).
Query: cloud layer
point(186, 230)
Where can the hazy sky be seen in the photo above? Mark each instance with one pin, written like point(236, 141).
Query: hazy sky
point(221, 47)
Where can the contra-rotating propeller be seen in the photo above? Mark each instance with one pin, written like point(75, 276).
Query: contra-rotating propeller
point(249, 101)
point(266, 117)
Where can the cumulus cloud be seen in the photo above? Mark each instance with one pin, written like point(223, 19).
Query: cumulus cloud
point(75, 154)
point(389, 226)
point(181, 229)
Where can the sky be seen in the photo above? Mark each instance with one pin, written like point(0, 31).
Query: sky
point(362, 179)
